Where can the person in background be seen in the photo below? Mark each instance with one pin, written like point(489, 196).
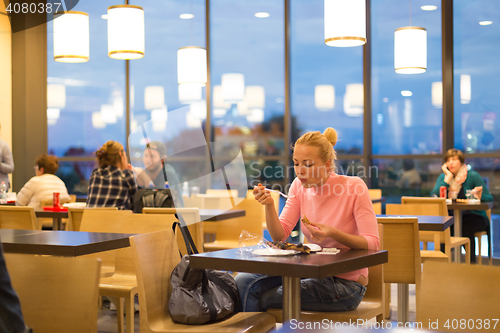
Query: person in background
point(456, 177)
point(6, 162)
point(113, 183)
point(157, 172)
point(340, 214)
point(410, 177)
point(43, 185)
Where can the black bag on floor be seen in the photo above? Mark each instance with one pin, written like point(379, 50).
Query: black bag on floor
point(147, 197)
point(200, 296)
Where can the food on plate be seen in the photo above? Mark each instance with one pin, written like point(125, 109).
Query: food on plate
point(462, 200)
point(290, 246)
point(305, 220)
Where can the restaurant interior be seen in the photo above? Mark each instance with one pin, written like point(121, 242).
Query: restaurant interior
point(228, 87)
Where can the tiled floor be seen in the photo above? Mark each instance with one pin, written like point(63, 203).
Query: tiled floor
point(106, 322)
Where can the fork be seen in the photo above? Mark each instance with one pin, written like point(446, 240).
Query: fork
point(280, 193)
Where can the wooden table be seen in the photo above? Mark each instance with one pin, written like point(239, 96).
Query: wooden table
point(291, 268)
point(457, 208)
point(429, 223)
point(55, 216)
point(214, 215)
point(61, 243)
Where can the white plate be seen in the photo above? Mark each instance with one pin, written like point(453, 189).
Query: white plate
point(75, 204)
point(274, 252)
point(313, 247)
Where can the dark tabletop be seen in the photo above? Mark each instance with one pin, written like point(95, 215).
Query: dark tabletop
point(302, 265)
point(429, 223)
point(214, 215)
point(466, 206)
point(382, 199)
point(61, 243)
point(50, 214)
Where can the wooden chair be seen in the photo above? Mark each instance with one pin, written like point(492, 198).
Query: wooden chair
point(429, 236)
point(18, 217)
point(197, 202)
point(371, 306)
point(451, 291)
point(75, 215)
point(400, 239)
point(192, 218)
point(376, 194)
point(436, 237)
point(57, 294)
point(479, 235)
point(122, 284)
point(155, 256)
point(228, 231)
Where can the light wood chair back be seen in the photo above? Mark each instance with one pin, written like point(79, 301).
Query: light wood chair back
point(193, 221)
point(57, 294)
point(376, 194)
point(439, 202)
point(228, 231)
point(155, 257)
point(400, 239)
point(451, 291)
point(18, 217)
point(479, 235)
point(233, 193)
point(197, 202)
point(75, 215)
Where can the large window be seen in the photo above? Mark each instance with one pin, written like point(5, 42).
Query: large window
point(79, 94)
point(326, 82)
point(476, 75)
point(406, 113)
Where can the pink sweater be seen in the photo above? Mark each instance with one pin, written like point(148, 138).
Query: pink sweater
point(342, 202)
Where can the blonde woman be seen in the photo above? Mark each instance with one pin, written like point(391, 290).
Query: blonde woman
point(113, 183)
point(341, 215)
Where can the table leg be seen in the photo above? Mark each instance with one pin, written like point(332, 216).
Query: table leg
point(56, 223)
point(291, 298)
point(457, 217)
point(403, 302)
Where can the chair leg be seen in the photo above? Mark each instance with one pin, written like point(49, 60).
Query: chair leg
point(119, 313)
point(490, 251)
point(129, 312)
point(480, 259)
point(387, 307)
point(380, 318)
point(467, 253)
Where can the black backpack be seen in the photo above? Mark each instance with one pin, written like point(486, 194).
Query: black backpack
point(146, 197)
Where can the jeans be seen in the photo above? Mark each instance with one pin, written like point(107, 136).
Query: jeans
point(260, 292)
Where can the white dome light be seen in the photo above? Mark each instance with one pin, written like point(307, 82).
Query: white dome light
point(186, 16)
point(233, 87)
point(126, 32)
point(154, 97)
point(262, 15)
point(345, 23)
point(354, 99)
point(428, 7)
point(56, 95)
point(437, 94)
point(71, 37)
point(406, 93)
point(465, 89)
point(189, 92)
point(108, 114)
point(410, 50)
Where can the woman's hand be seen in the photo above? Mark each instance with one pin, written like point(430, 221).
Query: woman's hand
point(319, 232)
point(478, 192)
point(262, 195)
point(448, 176)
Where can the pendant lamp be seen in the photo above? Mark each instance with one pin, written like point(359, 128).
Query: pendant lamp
point(345, 23)
point(126, 32)
point(192, 65)
point(324, 97)
point(189, 92)
point(410, 49)
point(233, 87)
point(71, 37)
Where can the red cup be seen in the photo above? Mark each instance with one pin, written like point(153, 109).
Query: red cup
point(442, 192)
point(55, 199)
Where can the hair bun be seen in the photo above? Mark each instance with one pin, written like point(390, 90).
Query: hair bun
point(100, 152)
point(331, 135)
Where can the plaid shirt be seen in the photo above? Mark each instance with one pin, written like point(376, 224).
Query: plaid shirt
point(111, 187)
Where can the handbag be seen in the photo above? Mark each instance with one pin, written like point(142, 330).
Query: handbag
point(199, 296)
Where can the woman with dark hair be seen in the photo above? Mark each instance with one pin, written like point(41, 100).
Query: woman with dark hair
point(457, 178)
point(43, 185)
point(113, 183)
